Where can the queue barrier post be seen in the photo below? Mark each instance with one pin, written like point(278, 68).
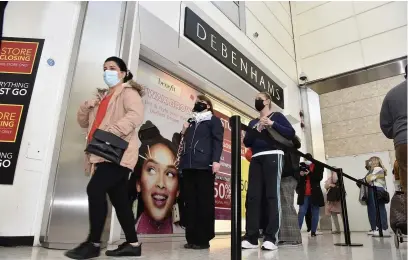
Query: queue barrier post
point(346, 224)
point(235, 123)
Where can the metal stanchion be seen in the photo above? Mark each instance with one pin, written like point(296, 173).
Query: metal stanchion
point(344, 212)
point(235, 124)
point(378, 215)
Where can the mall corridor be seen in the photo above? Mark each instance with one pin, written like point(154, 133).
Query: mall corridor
point(202, 119)
point(320, 248)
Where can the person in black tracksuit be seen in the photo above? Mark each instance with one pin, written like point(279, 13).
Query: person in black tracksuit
point(199, 161)
point(264, 175)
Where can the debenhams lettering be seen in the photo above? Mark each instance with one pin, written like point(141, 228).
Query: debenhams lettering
point(208, 39)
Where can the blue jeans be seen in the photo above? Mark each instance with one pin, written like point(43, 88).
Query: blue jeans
point(372, 211)
point(303, 210)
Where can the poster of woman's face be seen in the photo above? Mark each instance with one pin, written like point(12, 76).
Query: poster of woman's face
point(158, 184)
point(155, 183)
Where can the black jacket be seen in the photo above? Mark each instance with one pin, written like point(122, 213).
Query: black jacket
point(202, 144)
point(316, 176)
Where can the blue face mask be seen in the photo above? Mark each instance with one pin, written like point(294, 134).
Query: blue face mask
point(111, 78)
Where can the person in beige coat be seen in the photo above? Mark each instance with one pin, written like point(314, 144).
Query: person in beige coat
point(117, 110)
point(333, 208)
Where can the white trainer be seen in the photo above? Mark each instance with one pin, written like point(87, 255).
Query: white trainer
point(245, 244)
point(319, 233)
point(370, 233)
point(267, 245)
point(386, 233)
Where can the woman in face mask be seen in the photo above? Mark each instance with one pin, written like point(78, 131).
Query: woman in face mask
point(199, 162)
point(118, 110)
point(265, 172)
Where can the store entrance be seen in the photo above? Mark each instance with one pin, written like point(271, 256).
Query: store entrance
point(168, 104)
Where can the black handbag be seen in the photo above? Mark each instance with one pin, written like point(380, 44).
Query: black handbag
point(108, 146)
point(334, 194)
point(383, 196)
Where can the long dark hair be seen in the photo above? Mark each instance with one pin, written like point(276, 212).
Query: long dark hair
point(149, 135)
point(129, 76)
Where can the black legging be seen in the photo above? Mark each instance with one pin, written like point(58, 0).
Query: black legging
point(110, 179)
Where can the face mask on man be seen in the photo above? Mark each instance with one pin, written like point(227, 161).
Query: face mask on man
point(199, 107)
point(259, 104)
point(111, 78)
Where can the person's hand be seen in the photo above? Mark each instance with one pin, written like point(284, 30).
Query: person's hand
point(185, 126)
point(265, 121)
point(92, 103)
point(216, 167)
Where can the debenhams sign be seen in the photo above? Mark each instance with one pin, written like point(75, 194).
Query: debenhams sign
point(212, 42)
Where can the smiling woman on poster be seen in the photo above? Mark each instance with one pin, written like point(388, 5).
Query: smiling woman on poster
point(154, 184)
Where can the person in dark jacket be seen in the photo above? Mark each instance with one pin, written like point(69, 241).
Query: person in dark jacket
point(393, 122)
point(310, 193)
point(264, 177)
point(199, 161)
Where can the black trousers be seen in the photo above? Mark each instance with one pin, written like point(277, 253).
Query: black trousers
point(110, 179)
point(198, 189)
point(264, 182)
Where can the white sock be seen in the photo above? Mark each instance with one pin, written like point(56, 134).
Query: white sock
point(135, 244)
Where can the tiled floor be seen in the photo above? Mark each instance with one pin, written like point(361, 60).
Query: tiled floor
point(320, 248)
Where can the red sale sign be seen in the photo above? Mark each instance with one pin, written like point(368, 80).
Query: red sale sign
point(17, 57)
point(10, 116)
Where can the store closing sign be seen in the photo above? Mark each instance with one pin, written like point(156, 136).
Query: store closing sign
point(214, 44)
point(19, 60)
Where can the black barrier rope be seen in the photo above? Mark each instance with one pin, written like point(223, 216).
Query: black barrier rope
point(236, 127)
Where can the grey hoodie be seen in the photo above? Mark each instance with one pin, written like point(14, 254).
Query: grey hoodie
point(393, 117)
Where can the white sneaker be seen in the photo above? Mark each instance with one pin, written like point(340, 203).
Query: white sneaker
point(245, 244)
point(386, 233)
point(319, 233)
point(267, 245)
point(370, 233)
